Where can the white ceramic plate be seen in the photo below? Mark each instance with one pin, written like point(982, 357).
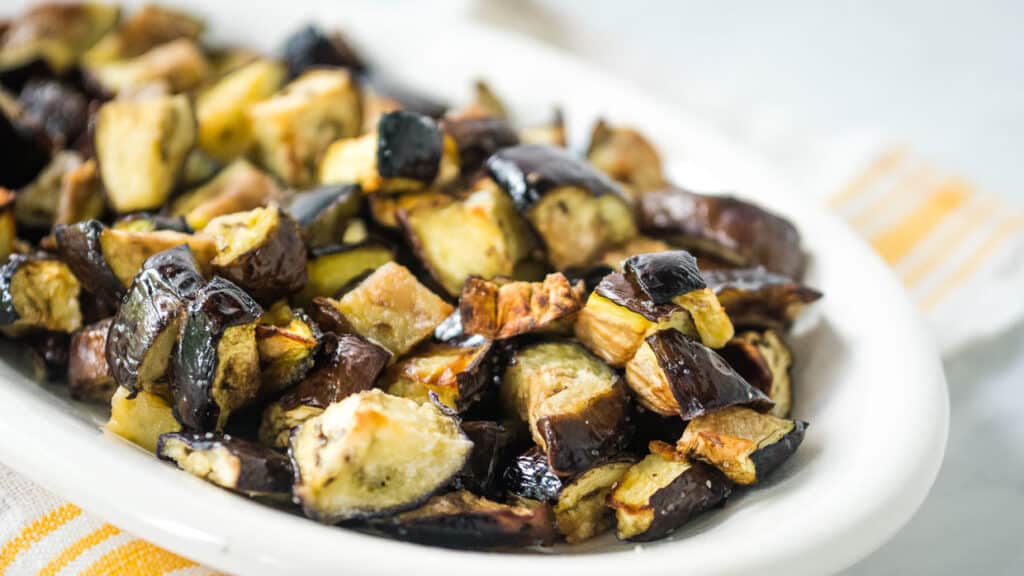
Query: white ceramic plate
point(867, 377)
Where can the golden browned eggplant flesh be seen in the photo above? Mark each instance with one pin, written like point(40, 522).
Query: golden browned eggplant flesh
point(303, 283)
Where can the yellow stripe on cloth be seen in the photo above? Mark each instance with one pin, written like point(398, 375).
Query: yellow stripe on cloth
point(937, 255)
point(137, 558)
point(898, 240)
point(76, 549)
point(35, 532)
point(887, 162)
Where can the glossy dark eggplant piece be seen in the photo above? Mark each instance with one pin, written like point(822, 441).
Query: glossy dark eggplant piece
point(24, 153)
point(60, 110)
point(330, 269)
point(323, 213)
point(662, 493)
point(498, 309)
point(38, 295)
point(458, 373)
point(756, 298)
point(89, 375)
point(763, 359)
point(725, 227)
point(381, 439)
point(462, 519)
point(477, 138)
point(495, 445)
point(744, 444)
point(216, 361)
point(672, 374)
point(529, 171)
point(530, 476)
point(261, 251)
point(230, 462)
point(309, 48)
point(78, 246)
point(145, 328)
point(409, 146)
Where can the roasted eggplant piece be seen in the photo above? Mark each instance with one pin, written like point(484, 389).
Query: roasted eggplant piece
point(662, 493)
point(551, 133)
point(57, 33)
point(324, 213)
point(575, 405)
point(233, 463)
point(499, 309)
point(292, 128)
point(89, 375)
point(626, 157)
point(373, 454)
point(222, 109)
point(724, 227)
point(146, 222)
point(618, 316)
point(458, 374)
point(287, 351)
point(462, 519)
point(385, 208)
point(141, 418)
point(216, 362)
point(50, 351)
point(582, 512)
point(8, 225)
point(530, 476)
point(745, 445)
point(309, 48)
point(81, 195)
point(331, 268)
point(59, 109)
point(141, 146)
point(37, 203)
point(673, 277)
point(477, 138)
point(142, 30)
point(763, 359)
point(495, 445)
point(38, 294)
point(260, 250)
point(390, 307)
point(177, 66)
point(482, 235)
point(409, 147)
point(672, 374)
point(145, 328)
point(756, 298)
point(345, 365)
point(577, 211)
point(238, 187)
point(25, 154)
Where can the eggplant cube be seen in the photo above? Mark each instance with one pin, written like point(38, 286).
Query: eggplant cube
point(286, 352)
point(240, 186)
point(757, 298)
point(89, 375)
point(500, 310)
point(56, 32)
point(457, 373)
point(221, 110)
point(409, 146)
point(38, 294)
point(582, 510)
point(141, 146)
point(373, 454)
point(292, 128)
point(626, 156)
point(233, 463)
point(141, 418)
point(763, 359)
point(180, 65)
point(330, 269)
point(323, 213)
point(745, 445)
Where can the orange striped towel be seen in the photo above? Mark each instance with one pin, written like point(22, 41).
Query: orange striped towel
point(960, 252)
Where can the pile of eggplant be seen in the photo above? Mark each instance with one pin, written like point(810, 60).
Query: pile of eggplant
point(328, 292)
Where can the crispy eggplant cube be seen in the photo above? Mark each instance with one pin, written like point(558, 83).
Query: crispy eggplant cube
point(89, 375)
point(141, 146)
point(409, 146)
point(577, 211)
point(663, 492)
point(141, 418)
point(392, 308)
point(216, 361)
point(462, 519)
point(724, 227)
point(325, 212)
point(373, 454)
point(575, 405)
point(756, 298)
point(763, 359)
point(330, 269)
point(38, 294)
point(292, 128)
point(145, 328)
point(626, 156)
point(260, 250)
point(582, 512)
point(233, 463)
point(501, 309)
point(225, 131)
point(672, 374)
point(482, 235)
point(240, 186)
point(744, 444)
point(179, 65)
point(457, 373)
point(287, 352)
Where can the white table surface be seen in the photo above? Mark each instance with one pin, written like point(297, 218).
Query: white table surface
point(949, 78)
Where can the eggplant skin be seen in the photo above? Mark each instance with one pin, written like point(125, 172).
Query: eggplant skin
point(322, 213)
point(25, 155)
point(757, 298)
point(664, 275)
point(38, 294)
point(528, 171)
point(309, 47)
point(58, 108)
point(763, 359)
point(462, 519)
point(409, 145)
point(457, 373)
point(724, 227)
point(499, 309)
point(215, 309)
point(582, 511)
point(494, 448)
point(234, 463)
point(346, 364)
point(89, 375)
point(576, 442)
point(530, 476)
point(78, 246)
point(477, 138)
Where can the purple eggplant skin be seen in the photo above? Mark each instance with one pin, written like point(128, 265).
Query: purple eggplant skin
point(579, 441)
point(618, 289)
point(60, 110)
point(50, 353)
point(217, 306)
point(739, 232)
point(664, 275)
point(650, 426)
point(528, 171)
point(530, 476)
point(757, 298)
point(409, 145)
point(24, 153)
point(8, 313)
point(700, 379)
point(770, 457)
point(88, 372)
point(157, 296)
point(78, 246)
point(700, 488)
point(261, 470)
point(495, 445)
point(309, 48)
point(345, 364)
point(322, 213)
point(274, 269)
point(477, 138)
